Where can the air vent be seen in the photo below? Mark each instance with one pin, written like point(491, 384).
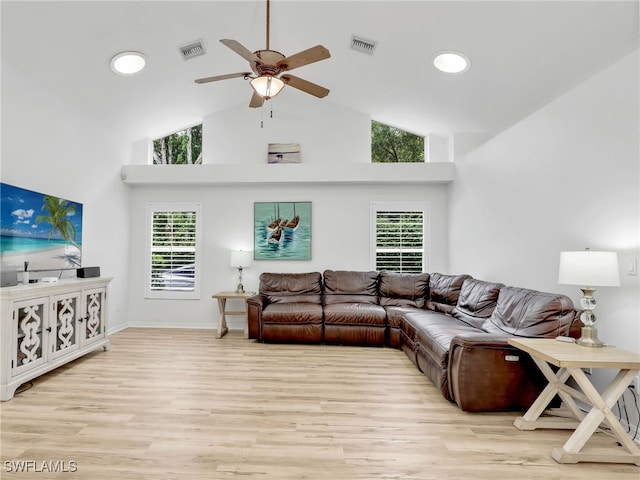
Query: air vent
point(192, 50)
point(363, 45)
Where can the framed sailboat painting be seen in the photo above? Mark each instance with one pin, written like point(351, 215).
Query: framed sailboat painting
point(282, 230)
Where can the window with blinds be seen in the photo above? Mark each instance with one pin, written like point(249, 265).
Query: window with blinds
point(173, 252)
point(399, 238)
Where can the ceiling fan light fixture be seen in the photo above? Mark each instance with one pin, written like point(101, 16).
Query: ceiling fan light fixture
point(127, 63)
point(267, 86)
point(451, 62)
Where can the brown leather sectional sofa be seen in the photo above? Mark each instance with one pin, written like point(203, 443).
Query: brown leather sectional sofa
point(454, 328)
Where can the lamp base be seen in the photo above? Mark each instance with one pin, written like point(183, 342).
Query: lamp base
point(589, 337)
point(240, 288)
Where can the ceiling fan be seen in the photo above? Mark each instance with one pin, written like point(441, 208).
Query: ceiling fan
point(268, 67)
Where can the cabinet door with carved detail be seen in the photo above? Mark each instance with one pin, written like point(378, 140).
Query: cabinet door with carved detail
point(66, 313)
point(30, 346)
point(94, 318)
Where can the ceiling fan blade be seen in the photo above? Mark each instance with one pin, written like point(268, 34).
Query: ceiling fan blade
point(256, 101)
point(310, 55)
point(241, 50)
point(305, 86)
point(222, 77)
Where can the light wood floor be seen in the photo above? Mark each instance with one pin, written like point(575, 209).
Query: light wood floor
point(181, 404)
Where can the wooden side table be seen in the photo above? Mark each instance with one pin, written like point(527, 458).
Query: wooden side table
point(571, 359)
point(222, 298)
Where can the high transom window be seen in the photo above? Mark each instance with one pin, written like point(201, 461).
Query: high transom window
point(183, 147)
point(394, 145)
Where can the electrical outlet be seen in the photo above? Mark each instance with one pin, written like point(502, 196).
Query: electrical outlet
point(636, 384)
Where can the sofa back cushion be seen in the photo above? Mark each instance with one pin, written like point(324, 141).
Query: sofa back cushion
point(476, 302)
point(403, 289)
point(444, 291)
point(530, 313)
point(292, 287)
point(350, 287)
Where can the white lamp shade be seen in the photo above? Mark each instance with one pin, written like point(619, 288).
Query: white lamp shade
point(267, 86)
point(241, 259)
point(589, 269)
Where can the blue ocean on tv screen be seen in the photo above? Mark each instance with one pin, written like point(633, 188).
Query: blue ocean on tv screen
point(10, 244)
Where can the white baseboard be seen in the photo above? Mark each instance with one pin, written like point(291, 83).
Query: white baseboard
point(195, 326)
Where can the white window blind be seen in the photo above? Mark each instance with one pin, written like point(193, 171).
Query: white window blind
point(399, 238)
point(173, 251)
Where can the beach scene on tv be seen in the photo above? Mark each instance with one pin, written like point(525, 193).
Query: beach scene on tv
point(39, 231)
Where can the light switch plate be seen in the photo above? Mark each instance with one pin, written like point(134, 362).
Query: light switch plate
point(632, 266)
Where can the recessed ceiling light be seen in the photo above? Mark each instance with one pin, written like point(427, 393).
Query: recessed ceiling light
point(451, 62)
point(127, 63)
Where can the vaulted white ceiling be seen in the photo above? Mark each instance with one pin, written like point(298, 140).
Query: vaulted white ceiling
point(523, 55)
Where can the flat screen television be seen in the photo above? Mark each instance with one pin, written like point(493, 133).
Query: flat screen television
point(43, 230)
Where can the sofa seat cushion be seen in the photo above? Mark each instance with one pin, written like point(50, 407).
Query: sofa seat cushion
point(403, 289)
point(434, 331)
point(407, 332)
point(355, 314)
point(530, 313)
point(394, 321)
point(476, 302)
point(395, 314)
point(292, 313)
point(350, 287)
point(292, 287)
point(433, 334)
point(444, 291)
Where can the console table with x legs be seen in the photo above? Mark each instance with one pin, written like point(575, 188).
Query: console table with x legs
point(570, 359)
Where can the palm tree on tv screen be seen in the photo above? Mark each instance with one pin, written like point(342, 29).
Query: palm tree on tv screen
point(59, 211)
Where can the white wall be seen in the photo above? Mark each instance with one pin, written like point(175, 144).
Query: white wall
point(565, 178)
point(51, 147)
point(340, 239)
point(327, 134)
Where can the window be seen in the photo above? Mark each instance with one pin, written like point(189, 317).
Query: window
point(173, 254)
point(399, 237)
point(180, 148)
point(392, 145)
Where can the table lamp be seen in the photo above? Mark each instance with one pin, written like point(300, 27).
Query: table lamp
point(589, 269)
point(240, 259)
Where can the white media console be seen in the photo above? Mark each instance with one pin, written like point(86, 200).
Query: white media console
point(46, 325)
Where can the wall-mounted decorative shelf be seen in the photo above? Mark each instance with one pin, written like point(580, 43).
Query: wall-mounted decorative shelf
point(350, 173)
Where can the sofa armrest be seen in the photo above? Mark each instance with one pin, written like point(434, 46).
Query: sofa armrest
point(258, 299)
point(482, 340)
point(488, 374)
point(255, 305)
